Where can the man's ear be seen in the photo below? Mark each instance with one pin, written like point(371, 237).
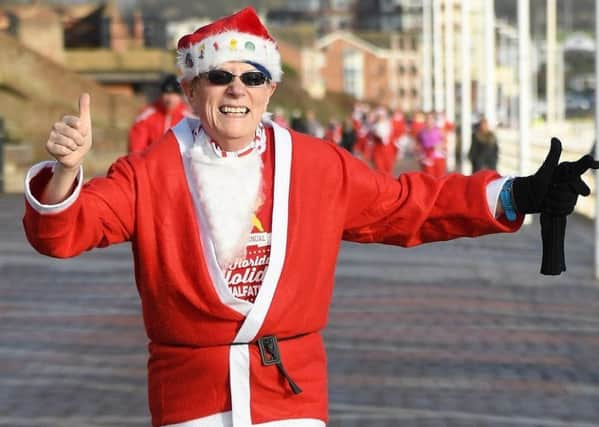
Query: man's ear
point(273, 87)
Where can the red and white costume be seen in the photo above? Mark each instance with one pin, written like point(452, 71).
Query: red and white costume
point(203, 315)
point(319, 194)
point(398, 130)
point(153, 122)
point(384, 151)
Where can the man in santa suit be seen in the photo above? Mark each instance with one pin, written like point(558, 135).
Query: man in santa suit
point(383, 153)
point(235, 225)
point(158, 117)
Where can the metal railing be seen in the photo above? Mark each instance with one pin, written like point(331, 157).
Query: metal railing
point(2, 143)
point(577, 139)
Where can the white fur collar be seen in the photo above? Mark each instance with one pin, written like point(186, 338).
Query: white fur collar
point(230, 193)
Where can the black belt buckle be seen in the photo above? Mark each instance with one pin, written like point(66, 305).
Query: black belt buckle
point(269, 350)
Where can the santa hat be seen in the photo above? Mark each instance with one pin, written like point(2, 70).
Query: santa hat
point(238, 37)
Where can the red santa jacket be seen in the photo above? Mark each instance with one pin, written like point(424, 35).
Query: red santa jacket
point(152, 123)
point(322, 194)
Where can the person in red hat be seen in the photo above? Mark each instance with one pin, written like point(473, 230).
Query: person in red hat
point(235, 224)
point(158, 117)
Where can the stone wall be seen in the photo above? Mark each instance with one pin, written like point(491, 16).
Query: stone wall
point(42, 32)
point(35, 92)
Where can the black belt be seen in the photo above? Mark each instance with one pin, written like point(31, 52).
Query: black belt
point(270, 355)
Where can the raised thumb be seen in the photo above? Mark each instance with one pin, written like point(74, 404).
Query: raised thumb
point(84, 112)
point(552, 158)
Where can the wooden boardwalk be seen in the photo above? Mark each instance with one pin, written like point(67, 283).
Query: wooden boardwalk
point(462, 333)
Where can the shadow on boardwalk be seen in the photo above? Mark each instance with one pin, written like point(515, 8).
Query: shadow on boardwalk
point(462, 333)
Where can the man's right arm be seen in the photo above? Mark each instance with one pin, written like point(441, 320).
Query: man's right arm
point(63, 217)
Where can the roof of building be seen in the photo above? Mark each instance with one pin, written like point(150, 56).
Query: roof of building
point(378, 42)
point(353, 39)
point(299, 35)
point(377, 38)
point(104, 60)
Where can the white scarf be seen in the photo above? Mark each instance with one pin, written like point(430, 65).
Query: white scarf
point(230, 192)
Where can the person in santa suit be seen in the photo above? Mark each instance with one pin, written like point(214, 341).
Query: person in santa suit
point(418, 123)
point(158, 117)
point(383, 153)
point(235, 224)
point(447, 132)
point(430, 145)
point(398, 132)
point(334, 132)
point(362, 148)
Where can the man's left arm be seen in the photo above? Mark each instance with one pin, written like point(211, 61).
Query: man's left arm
point(418, 208)
point(424, 209)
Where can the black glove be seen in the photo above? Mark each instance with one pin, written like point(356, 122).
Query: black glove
point(553, 191)
point(553, 233)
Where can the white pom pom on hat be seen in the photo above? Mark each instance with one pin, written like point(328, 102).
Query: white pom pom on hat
point(239, 37)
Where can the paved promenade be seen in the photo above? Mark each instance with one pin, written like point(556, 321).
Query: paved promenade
point(462, 333)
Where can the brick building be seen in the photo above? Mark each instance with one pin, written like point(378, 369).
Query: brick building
point(381, 68)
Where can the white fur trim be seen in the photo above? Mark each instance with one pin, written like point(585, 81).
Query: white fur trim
point(50, 209)
point(239, 361)
point(297, 422)
point(229, 189)
point(184, 133)
point(224, 419)
point(239, 382)
point(229, 46)
point(493, 189)
point(278, 249)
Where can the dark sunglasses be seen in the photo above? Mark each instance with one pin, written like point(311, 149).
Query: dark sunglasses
point(222, 77)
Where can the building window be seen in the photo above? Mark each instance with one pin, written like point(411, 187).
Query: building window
point(402, 92)
point(340, 5)
point(414, 93)
point(353, 70)
point(401, 70)
point(413, 70)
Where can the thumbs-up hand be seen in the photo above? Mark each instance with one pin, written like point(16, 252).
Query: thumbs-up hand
point(71, 138)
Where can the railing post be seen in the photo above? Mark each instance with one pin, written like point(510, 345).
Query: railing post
point(2, 143)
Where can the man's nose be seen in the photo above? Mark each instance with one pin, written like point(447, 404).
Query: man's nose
point(236, 87)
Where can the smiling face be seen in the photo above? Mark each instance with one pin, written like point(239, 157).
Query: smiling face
point(229, 113)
